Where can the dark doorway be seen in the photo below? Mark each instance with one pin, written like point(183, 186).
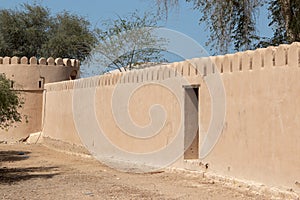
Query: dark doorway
point(191, 122)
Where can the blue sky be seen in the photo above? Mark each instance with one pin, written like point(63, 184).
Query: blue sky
point(184, 20)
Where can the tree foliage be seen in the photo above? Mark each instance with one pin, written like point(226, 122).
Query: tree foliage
point(128, 41)
point(232, 23)
point(284, 15)
point(10, 102)
point(164, 6)
point(33, 31)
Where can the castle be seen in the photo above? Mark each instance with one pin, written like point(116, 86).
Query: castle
point(236, 115)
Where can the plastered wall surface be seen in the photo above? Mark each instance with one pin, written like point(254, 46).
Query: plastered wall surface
point(260, 135)
point(58, 119)
point(260, 138)
point(162, 130)
point(28, 76)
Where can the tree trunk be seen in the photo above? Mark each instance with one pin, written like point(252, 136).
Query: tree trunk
point(286, 12)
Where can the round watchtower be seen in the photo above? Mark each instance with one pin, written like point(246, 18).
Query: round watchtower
point(29, 76)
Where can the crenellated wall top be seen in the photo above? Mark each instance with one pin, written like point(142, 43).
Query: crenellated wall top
point(287, 56)
point(42, 61)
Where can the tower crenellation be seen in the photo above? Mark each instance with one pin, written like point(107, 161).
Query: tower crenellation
point(29, 75)
point(41, 61)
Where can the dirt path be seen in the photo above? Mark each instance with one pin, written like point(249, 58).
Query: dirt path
point(36, 172)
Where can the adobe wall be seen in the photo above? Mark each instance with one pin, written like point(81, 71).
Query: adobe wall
point(260, 137)
point(29, 76)
point(60, 123)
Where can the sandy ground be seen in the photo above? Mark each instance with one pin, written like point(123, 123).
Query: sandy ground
point(37, 172)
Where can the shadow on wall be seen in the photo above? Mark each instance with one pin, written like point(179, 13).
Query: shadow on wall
point(12, 175)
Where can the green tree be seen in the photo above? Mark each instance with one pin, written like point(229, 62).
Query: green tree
point(10, 102)
point(232, 23)
point(33, 31)
point(128, 41)
point(69, 37)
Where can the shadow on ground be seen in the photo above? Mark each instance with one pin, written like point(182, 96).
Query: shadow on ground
point(12, 175)
point(11, 156)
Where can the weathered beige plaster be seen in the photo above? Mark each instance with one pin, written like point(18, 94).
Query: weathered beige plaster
point(29, 77)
